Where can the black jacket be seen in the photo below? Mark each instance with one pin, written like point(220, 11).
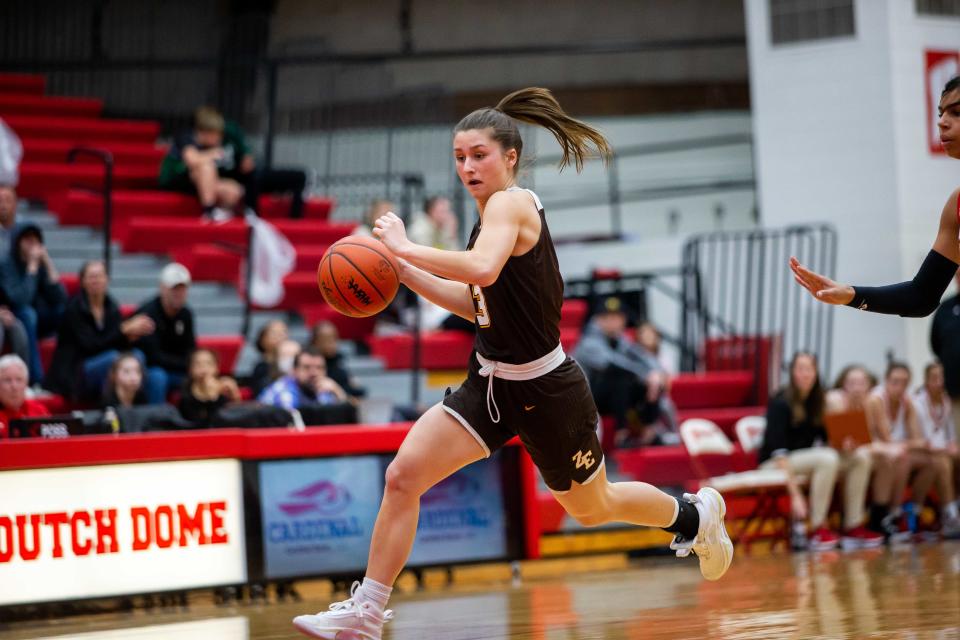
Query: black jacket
point(782, 434)
point(945, 342)
point(21, 289)
point(173, 341)
point(80, 338)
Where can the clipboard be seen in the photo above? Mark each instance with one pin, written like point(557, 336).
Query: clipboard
point(847, 424)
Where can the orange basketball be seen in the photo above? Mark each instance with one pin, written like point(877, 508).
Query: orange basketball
point(358, 276)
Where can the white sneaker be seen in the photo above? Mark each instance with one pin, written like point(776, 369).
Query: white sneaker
point(712, 544)
point(352, 619)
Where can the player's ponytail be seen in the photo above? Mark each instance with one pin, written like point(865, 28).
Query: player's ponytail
point(535, 105)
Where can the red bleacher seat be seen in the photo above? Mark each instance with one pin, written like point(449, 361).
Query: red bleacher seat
point(712, 389)
point(83, 129)
point(40, 180)
point(22, 83)
point(137, 153)
point(161, 234)
point(348, 328)
point(573, 313)
point(724, 417)
point(36, 105)
point(227, 349)
point(71, 282)
point(438, 349)
point(209, 262)
point(86, 208)
point(671, 466)
point(278, 206)
point(569, 337)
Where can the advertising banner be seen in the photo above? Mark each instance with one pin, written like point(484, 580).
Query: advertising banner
point(84, 532)
point(462, 519)
point(318, 515)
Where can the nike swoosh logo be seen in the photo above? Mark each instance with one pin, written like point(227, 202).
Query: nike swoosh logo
point(530, 408)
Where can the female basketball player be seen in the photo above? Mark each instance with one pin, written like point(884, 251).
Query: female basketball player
point(520, 382)
point(920, 296)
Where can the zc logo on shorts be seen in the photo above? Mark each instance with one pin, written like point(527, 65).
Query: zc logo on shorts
point(584, 459)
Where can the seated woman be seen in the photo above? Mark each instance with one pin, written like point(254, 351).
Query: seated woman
point(270, 337)
point(205, 391)
point(851, 392)
point(936, 423)
point(124, 383)
point(794, 442)
point(91, 336)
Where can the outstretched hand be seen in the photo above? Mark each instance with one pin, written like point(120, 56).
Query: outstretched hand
point(820, 287)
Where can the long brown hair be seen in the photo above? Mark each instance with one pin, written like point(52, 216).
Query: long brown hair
point(812, 406)
point(535, 105)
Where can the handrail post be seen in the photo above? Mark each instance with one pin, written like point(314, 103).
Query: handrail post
point(107, 158)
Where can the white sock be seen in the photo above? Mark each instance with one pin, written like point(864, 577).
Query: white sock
point(375, 593)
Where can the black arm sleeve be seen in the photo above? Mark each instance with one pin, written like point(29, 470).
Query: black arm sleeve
point(914, 299)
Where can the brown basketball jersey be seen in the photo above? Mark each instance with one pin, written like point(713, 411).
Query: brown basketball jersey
point(518, 316)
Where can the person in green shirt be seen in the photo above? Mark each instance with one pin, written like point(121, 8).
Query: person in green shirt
point(214, 162)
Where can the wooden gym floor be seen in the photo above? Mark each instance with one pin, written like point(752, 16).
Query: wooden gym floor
point(909, 593)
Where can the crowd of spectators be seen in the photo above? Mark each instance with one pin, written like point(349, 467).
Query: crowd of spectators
point(912, 444)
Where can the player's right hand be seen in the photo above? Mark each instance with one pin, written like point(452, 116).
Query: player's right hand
point(820, 287)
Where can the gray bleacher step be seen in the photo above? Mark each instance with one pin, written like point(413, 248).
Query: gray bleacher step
point(219, 326)
point(119, 264)
point(65, 236)
point(42, 219)
point(81, 251)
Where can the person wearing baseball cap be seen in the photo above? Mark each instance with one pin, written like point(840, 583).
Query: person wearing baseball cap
point(168, 349)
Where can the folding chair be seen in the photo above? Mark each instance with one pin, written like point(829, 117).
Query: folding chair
point(765, 487)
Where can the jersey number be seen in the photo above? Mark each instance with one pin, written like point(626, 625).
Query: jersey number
point(480, 305)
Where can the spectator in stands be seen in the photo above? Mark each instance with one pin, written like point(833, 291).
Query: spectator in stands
point(30, 285)
point(13, 394)
point(271, 335)
point(377, 208)
point(626, 381)
point(436, 226)
point(648, 337)
point(326, 339)
point(13, 336)
point(945, 344)
point(92, 334)
point(168, 347)
point(851, 393)
point(200, 163)
point(901, 438)
point(214, 162)
point(125, 386)
point(939, 432)
point(8, 217)
point(794, 443)
point(206, 392)
point(307, 384)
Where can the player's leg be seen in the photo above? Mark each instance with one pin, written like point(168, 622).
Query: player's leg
point(696, 520)
point(436, 447)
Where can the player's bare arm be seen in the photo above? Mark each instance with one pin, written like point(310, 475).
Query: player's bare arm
point(482, 264)
point(453, 296)
point(915, 298)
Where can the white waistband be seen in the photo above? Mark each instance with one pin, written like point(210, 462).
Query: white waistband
point(491, 369)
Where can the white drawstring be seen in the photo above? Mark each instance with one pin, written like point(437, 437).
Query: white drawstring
point(491, 369)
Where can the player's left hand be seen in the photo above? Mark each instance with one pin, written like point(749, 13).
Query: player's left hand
point(820, 287)
point(390, 230)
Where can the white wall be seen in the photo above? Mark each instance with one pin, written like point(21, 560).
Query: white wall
point(839, 136)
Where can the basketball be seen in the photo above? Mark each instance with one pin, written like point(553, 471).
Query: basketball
point(358, 276)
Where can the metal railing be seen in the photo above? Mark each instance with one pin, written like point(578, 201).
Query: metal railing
point(107, 194)
point(738, 292)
